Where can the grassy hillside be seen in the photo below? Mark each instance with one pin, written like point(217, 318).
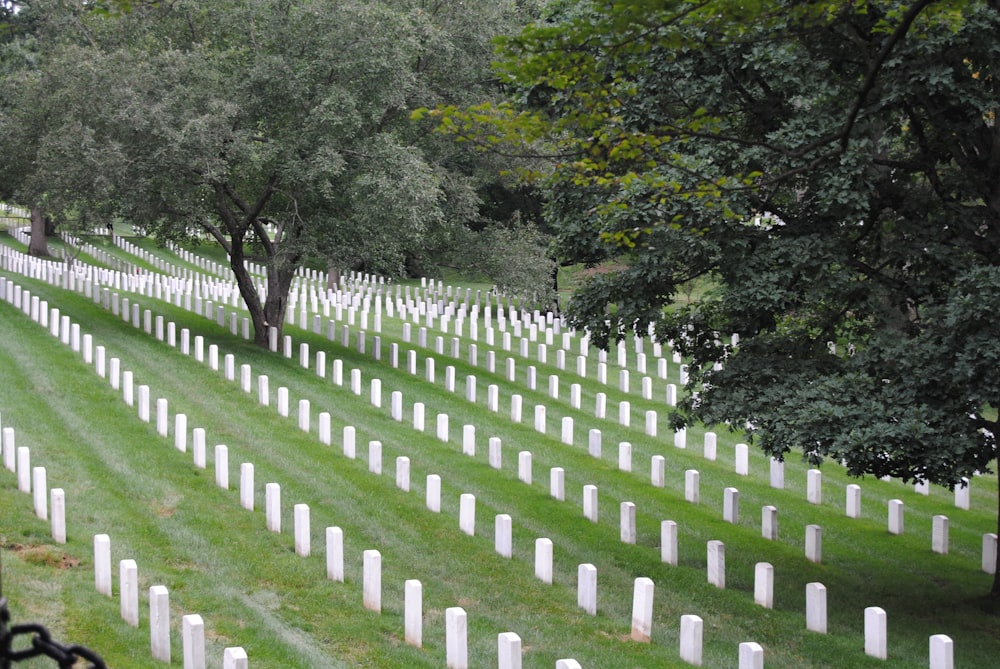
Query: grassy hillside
point(218, 559)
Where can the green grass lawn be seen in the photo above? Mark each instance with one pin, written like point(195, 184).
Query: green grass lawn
point(217, 559)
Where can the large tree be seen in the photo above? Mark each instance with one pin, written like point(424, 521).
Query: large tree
point(831, 169)
point(280, 129)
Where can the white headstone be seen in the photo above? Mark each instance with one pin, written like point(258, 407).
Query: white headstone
point(657, 474)
point(508, 651)
point(543, 560)
point(895, 516)
point(193, 641)
point(814, 543)
point(301, 523)
point(942, 652)
point(816, 607)
point(751, 656)
point(763, 584)
point(102, 564)
point(691, 486)
point(853, 502)
point(814, 486)
point(524, 467)
point(625, 456)
point(413, 617)
point(159, 623)
point(128, 581)
point(456, 638)
point(503, 539)
point(668, 542)
point(335, 554)
point(557, 483)
point(434, 493)
point(742, 459)
point(246, 486)
point(372, 581)
point(769, 522)
point(642, 610)
point(467, 514)
point(272, 507)
point(989, 561)
point(222, 466)
point(594, 445)
point(731, 505)
point(876, 633)
point(627, 523)
point(496, 453)
point(58, 500)
point(691, 639)
point(590, 502)
point(939, 535)
point(717, 563)
point(586, 597)
point(235, 658)
point(403, 473)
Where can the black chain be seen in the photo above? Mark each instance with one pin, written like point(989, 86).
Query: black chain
point(42, 644)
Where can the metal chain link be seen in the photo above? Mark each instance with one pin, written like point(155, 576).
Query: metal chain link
point(42, 644)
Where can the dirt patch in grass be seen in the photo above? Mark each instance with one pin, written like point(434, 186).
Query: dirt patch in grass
point(44, 555)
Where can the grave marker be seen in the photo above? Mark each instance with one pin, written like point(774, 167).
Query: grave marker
point(853, 503)
point(335, 554)
point(942, 652)
point(939, 535)
point(717, 564)
point(58, 499)
point(456, 638)
point(691, 639)
point(763, 585)
point(642, 610)
point(814, 486)
point(586, 595)
point(193, 641)
point(751, 656)
point(128, 579)
point(413, 618)
point(301, 522)
point(731, 505)
point(508, 651)
point(876, 633)
point(816, 607)
point(627, 523)
point(503, 539)
point(895, 516)
point(272, 507)
point(590, 502)
point(668, 542)
point(159, 623)
point(543, 560)
point(557, 483)
point(372, 581)
point(814, 543)
point(434, 493)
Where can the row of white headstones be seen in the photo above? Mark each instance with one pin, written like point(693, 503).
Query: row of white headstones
point(729, 504)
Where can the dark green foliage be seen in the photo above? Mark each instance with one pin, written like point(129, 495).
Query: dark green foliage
point(834, 168)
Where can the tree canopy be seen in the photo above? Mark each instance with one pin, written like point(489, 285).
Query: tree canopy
point(830, 169)
point(280, 129)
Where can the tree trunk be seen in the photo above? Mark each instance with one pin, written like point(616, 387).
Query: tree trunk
point(38, 245)
point(248, 291)
point(332, 277)
point(279, 282)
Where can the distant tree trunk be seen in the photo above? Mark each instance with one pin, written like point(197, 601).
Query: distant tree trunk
point(38, 245)
point(332, 276)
